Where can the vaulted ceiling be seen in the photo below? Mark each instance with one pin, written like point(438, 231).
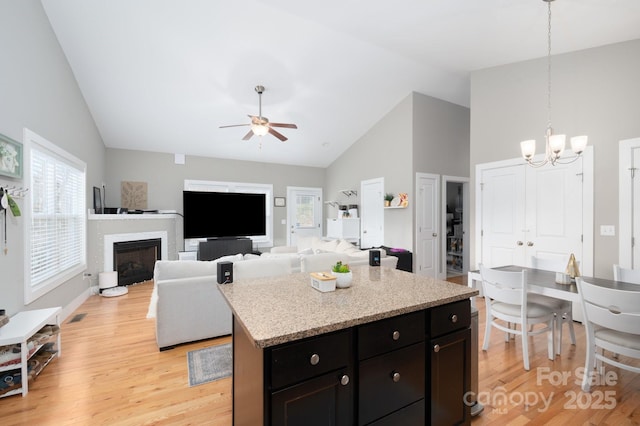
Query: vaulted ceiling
point(163, 75)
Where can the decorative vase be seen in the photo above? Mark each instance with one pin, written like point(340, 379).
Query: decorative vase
point(343, 279)
point(387, 203)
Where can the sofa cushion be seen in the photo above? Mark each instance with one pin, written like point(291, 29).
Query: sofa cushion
point(320, 246)
point(171, 269)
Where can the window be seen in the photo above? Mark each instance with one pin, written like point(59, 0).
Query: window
point(55, 223)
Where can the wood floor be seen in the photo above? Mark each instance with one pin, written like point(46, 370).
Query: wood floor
point(111, 373)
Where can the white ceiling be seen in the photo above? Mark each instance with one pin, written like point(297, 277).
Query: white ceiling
point(163, 75)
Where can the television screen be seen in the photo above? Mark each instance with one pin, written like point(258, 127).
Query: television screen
point(223, 214)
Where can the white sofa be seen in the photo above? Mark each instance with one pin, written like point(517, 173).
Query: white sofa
point(187, 305)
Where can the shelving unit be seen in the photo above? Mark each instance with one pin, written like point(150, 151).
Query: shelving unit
point(455, 254)
point(20, 328)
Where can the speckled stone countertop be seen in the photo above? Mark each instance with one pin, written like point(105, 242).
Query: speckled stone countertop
point(282, 309)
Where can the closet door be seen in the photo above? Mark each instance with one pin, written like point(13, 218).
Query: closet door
point(502, 192)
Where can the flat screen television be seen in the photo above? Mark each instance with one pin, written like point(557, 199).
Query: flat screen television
point(223, 214)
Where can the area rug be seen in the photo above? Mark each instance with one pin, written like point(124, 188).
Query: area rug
point(209, 364)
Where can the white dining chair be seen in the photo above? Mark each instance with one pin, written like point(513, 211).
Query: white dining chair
point(562, 308)
point(506, 300)
point(612, 323)
point(626, 274)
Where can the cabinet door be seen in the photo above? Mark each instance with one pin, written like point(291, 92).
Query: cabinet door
point(324, 400)
point(450, 378)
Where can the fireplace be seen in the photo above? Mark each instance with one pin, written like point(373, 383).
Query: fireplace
point(134, 260)
point(151, 246)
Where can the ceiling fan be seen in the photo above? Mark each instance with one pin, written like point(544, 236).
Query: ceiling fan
point(260, 125)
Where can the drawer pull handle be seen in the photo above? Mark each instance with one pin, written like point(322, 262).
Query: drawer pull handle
point(395, 376)
point(454, 318)
point(315, 359)
point(344, 380)
point(436, 348)
point(396, 335)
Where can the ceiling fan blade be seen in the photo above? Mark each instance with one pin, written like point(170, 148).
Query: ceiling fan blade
point(277, 134)
point(287, 125)
point(235, 125)
point(248, 135)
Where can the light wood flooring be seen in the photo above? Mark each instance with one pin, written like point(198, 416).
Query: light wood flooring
point(111, 373)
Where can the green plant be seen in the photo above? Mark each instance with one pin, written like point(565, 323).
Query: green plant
point(388, 196)
point(340, 268)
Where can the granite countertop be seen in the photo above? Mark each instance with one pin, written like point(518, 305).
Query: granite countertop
point(281, 309)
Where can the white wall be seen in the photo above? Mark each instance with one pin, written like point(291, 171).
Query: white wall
point(594, 92)
point(38, 91)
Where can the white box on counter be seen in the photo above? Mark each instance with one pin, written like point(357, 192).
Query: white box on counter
point(323, 281)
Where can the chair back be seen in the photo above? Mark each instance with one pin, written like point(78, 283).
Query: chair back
point(504, 286)
point(609, 307)
point(555, 264)
point(625, 274)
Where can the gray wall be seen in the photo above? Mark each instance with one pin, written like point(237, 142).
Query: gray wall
point(39, 92)
point(421, 134)
point(594, 92)
point(165, 179)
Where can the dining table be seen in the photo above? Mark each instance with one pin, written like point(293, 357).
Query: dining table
point(544, 282)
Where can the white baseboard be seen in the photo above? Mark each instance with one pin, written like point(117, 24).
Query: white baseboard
point(75, 304)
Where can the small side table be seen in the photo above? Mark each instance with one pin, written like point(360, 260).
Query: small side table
point(21, 327)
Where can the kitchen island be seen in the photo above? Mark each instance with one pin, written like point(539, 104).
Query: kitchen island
point(394, 348)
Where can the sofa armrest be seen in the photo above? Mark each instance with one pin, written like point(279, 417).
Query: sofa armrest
point(190, 309)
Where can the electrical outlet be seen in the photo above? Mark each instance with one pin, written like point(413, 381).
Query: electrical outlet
point(608, 230)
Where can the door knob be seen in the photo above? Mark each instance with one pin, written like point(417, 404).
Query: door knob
point(519, 243)
point(434, 235)
point(530, 243)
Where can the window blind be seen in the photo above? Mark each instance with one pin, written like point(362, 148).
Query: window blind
point(57, 226)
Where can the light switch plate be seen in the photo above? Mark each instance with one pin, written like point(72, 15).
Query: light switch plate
point(608, 230)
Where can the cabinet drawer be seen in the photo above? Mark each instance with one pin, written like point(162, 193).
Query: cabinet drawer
point(391, 381)
point(413, 415)
point(451, 317)
point(390, 334)
point(298, 361)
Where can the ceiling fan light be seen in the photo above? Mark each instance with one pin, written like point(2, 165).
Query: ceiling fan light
point(259, 129)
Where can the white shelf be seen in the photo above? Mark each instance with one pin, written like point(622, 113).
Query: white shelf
point(395, 207)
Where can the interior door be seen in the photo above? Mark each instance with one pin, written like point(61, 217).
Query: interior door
point(372, 214)
point(502, 191)
point(554, 211)
point(304, 213)
point(427, 229)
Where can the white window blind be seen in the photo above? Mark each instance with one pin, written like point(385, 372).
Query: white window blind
point(57, 226)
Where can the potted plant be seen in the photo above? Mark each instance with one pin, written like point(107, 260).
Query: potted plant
point(388, 197)
point(343, 274)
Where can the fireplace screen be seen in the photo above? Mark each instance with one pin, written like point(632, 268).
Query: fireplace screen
point(134, 260)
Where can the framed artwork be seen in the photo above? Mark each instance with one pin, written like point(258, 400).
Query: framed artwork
point(279, 201)
point(10, 157)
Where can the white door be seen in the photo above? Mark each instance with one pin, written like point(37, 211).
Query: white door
point(525, 211)
point(304, 213)
point(372, 213)
point(502, 213)
point(554, 211)
point(427, 228)
point(629, 204)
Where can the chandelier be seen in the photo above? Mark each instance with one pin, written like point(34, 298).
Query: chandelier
point(554, 144)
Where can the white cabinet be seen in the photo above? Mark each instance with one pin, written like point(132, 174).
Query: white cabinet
point(345, 228)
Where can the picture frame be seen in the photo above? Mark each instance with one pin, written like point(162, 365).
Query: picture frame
point(10, 157)
point(97, 200)
point(279, 201)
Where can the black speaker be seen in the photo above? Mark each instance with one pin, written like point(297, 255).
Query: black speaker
point(225, 272)
point(374, 257)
